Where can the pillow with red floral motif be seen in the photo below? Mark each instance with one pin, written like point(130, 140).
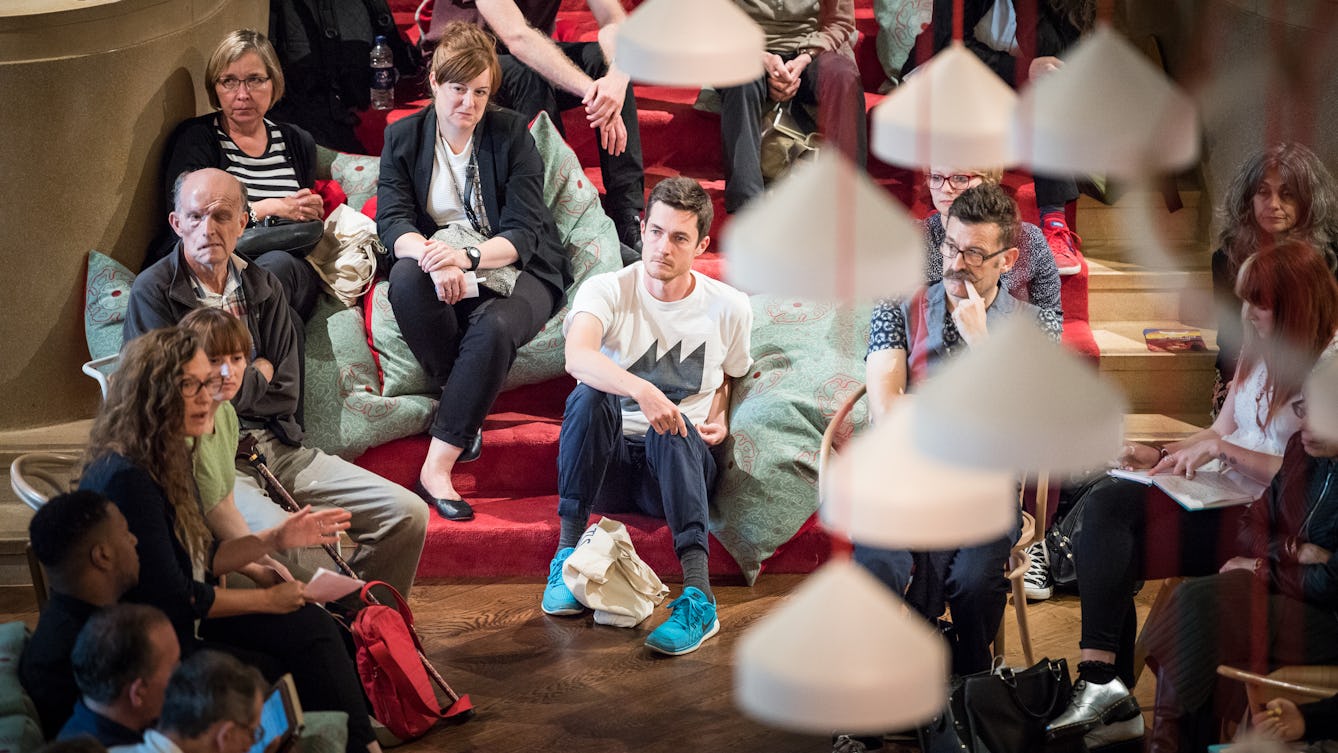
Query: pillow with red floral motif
point(106, 298)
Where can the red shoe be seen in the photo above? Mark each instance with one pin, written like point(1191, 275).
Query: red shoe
point(1063, 242)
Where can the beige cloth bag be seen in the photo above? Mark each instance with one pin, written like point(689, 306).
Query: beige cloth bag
point(348, 254)
point(605, 574)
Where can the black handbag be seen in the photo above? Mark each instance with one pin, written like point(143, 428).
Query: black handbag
point(1007, 711)
point(296, 237)
point(1064, 531)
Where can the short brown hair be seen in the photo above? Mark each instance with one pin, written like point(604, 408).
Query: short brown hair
point(230, 50)
point(685, 195)
point(989, 203)
point(465, 51)
point(220, 333)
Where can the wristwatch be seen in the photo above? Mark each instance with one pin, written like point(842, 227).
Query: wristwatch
point(475, 256)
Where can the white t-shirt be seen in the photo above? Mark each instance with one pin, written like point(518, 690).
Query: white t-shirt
point(683, 347)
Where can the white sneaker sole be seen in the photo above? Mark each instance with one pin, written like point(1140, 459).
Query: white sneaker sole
point(715, 628)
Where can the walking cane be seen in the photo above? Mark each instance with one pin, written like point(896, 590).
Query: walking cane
point(247, 450)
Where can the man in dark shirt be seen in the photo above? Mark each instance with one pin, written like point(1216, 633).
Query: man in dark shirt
point(122, 661)
point(89, 554)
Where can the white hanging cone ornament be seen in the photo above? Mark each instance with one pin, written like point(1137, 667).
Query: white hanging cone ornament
point(883, 491)
point(825, 231)
point(1107, 110)
point(1321, 397)
point(953, 111)
point(1019, 402)
point(690, 43)
point(842, 653)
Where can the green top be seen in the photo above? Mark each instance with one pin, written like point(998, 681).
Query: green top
point(215, 458)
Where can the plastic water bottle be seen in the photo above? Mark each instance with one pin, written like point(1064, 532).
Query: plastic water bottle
point(383, 75)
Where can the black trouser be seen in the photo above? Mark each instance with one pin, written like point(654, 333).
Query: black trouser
point(831, 82)
point(666, 476)
point(307, 644)
point(298, 279)
point(466, 349)
point(1231, 619)
point(1054, 191)
point(1110, 554)
point(529, 93)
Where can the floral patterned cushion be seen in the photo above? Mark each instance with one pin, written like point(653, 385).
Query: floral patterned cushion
point(106, 297)
point(345, 412)
point(357, 175)
point(808, 358)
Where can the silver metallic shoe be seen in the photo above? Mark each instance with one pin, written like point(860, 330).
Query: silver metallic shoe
point(1093, 705)
point(1116, 732)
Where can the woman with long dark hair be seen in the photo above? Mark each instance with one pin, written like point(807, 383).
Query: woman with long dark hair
point(139, 458)
point(1279, 194)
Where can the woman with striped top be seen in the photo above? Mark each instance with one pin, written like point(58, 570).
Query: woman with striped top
point(275, 161)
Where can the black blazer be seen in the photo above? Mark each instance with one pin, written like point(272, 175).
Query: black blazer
point(511, 176)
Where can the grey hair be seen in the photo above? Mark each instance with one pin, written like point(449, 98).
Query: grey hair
point(1309, 181)
point(209, 687)
point(113, 650)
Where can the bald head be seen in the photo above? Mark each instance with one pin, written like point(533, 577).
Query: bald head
point(208, 176)
point(209, 217)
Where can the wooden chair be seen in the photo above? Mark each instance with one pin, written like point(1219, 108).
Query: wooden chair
point(1298, 684)
point(1018, 560)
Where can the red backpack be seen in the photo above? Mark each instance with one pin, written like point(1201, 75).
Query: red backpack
point(396, 673)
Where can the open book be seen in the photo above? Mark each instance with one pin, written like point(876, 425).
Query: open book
point(1207, 490)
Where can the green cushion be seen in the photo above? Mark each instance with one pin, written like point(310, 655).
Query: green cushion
point(106, 297)
point(323, 732)
point(585, 232)
point(13, 701)
point(400, 372)
point(345, 412)
point(357, 175)
point(19, 732)
point(808, 357)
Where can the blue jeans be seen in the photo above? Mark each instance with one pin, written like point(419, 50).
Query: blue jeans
point(666, 476)
point(970, 580)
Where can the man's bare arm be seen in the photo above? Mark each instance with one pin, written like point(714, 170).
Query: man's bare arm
point(532, 47)
point(586, 362)
point(885, 376)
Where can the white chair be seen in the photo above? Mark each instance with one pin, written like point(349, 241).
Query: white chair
point(35, 478)
point(101, 369)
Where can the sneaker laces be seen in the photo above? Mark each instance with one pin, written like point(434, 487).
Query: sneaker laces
point(1038, 573)
point(1057, 231)
point(555, 572)
point(691, 612)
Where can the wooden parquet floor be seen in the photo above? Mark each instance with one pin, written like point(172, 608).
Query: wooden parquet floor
point(545, 683)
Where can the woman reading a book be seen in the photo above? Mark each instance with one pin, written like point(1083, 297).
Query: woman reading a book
point(138, 457)
point(1290, 318)
point(1274, 603)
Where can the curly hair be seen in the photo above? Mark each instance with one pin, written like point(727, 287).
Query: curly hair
point(1290, 280)
point(142, 419)
point(1306, 177)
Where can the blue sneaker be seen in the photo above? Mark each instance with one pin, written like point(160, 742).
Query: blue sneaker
point(692, 622)
point(558, 599)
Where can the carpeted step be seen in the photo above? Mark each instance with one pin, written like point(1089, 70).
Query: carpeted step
point(516, 536)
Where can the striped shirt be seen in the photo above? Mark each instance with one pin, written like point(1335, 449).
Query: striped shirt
point(269, 176)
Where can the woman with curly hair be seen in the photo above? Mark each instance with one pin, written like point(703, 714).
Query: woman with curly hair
point(139, 458)
point(1281, 193)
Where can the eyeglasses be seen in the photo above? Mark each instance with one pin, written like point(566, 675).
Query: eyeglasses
point(190, 386)
point(257, 732)
point(251, 82)
point(974, 258)
point(1298, 408)
point(958, 181)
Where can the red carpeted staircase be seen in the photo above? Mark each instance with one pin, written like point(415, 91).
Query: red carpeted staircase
point(512, 486)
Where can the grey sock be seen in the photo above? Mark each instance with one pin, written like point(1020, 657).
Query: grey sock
point(572, 529)
point(695, 572)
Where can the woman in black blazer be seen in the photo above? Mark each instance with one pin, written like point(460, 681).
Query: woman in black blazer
point(462, 162)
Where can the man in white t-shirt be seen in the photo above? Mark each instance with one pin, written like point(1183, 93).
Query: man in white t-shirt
point(653, 346)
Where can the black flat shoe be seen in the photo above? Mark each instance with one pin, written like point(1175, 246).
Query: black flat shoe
point(450, 509)
point(472, 452)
